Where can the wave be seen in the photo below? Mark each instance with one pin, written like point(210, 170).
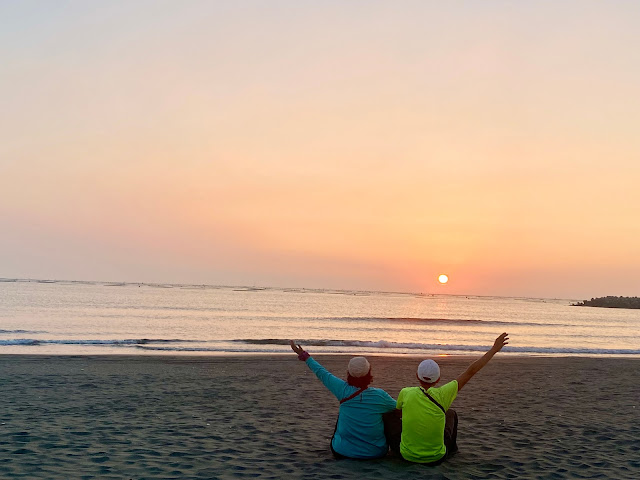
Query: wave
point(211, 350)
point(128, 341)
point(277, 345)
point(19, 331)
point(448, 321)
point(386, 345)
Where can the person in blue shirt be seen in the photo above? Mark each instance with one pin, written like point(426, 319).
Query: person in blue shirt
point(360, 429)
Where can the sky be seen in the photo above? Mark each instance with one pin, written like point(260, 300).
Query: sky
point(323, 144)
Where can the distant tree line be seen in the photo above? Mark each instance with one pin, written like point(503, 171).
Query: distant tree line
point(610, 302)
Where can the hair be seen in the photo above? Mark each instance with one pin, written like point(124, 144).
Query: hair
point(427, 384)
point(360, 382)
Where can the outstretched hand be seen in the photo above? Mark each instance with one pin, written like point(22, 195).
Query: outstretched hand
point(475, 367)
point(302, 355)
point(296, 348)
point(500, 342)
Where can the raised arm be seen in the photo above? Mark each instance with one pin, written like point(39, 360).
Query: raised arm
point(476, 366)
point(336, 385)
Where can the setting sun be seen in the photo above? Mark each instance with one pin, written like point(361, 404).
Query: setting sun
point(443, 279)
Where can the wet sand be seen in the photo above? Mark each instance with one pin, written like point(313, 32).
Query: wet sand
point(126, 417)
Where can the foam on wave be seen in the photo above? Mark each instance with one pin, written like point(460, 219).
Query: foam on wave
point(128, 341)
point(384, 344)
point(328, 346)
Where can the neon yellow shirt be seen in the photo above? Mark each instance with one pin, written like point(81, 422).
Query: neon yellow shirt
point(423, 422)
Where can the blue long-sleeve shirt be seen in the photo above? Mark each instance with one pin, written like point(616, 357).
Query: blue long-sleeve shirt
point(360, 430)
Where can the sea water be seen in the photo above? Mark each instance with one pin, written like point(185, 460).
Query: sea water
point(62, 317)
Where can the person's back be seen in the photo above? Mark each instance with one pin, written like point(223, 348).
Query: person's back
point(423, 422)
point(360, 429)
point(429, 425)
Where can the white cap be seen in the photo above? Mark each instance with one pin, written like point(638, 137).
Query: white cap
point(428, 371)
point(358, 367)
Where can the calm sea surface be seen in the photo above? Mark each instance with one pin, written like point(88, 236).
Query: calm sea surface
point(55, 317)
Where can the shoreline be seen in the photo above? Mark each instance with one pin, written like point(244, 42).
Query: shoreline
point(187, 355)
point(267, 416)
point(332, 357)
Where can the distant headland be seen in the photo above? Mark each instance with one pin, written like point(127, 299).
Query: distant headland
point(610, 302)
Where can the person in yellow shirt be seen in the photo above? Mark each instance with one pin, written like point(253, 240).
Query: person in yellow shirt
point(429, 426)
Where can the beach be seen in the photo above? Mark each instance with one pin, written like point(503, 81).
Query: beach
point(257, 416)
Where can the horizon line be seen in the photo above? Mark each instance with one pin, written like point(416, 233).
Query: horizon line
point(254, 287)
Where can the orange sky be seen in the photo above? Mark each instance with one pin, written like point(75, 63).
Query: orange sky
point(363, 145)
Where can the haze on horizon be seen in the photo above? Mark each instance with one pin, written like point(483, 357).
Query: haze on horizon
point(356, 145)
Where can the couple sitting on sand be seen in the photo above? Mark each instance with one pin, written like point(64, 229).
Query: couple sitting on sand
point(367, 425)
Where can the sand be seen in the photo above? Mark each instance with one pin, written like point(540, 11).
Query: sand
point(116, 417)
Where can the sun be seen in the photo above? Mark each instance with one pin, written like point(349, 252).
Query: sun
point(443, 279)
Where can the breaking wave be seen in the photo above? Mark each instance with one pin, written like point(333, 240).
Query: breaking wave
point(138, 341)
point(343, 345)
point(278, 345)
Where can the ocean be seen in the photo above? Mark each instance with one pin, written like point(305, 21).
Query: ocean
point(72, 318)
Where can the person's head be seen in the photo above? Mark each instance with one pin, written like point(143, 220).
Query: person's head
point(428, 373)
point(359, 372)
